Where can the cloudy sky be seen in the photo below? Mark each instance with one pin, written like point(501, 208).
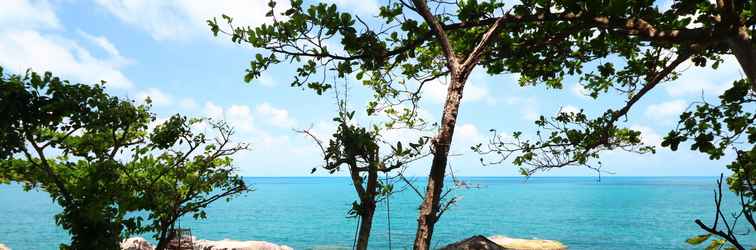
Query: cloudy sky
point(164, 50)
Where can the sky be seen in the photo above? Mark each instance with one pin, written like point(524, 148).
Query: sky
point(164, 50)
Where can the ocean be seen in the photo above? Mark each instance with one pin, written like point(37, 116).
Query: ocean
point(310, 213)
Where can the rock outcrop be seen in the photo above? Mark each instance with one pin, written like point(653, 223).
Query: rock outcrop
point(523, 244)
point(136, 243)
point(478, 242)
point(504, 243)
point(237, 245)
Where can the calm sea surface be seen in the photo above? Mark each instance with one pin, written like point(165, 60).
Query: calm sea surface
point(309, 213)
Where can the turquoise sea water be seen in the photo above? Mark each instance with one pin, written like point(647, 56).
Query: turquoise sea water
point(309, 213)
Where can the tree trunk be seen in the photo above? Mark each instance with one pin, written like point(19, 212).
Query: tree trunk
point(745, 53)
point(431, 204)
point(163, 239)
point(365, 224)
point(367, 202)
point(161, 244)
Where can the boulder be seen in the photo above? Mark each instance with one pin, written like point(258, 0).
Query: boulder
point(237, 245)
point(504, 243)
point(4, 247)
point(136, 243)
point(478, 242)
point(523, 244)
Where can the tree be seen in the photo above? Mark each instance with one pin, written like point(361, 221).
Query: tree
point(645, 47)
point(93, 154)
point(42, 114)
point(395, 62)
point(358, 149)
point(190, 172)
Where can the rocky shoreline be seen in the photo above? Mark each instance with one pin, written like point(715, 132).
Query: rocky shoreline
point(473, 243)
point(139, 243)
point(496, 242)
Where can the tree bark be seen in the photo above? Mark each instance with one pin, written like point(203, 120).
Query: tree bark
point(745, 53)
point(366, 224)
point(367, 197)
point(163, 238)
point(430, 207)
point(459, 71)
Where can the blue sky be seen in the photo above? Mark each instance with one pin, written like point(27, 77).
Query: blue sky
point(164, 50)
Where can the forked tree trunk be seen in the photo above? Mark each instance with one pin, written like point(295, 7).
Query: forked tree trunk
point(431, 204)
point(459, 70)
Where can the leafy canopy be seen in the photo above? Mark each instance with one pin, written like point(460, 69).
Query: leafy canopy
point(96, 156)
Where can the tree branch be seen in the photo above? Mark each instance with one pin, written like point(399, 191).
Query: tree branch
point(438, 31)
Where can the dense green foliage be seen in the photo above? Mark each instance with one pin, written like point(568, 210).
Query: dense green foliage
point(97, 157)
point(41, 117)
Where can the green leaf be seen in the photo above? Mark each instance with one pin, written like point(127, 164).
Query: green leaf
point(715, 244)
point(698, 239)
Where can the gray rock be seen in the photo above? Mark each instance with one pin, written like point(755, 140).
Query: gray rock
point(478, 242)
point(237, 245)
point(525, 244)
point(504, 243)
point(136, 243)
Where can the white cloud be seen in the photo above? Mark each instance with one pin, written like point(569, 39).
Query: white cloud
point(213, 111)
point(158, 97)
point(26, 14)
point(275, 116)
point(266, 81)
point(103, 43)
point(23, 45)
point(436, 90)
point(20, 50)
point(240, 117)
point(666, 110)
point(569, 109)
point(175, 20)
point(321, 130)
point(474, 93)
point(264, 158)
point(467, 134)
point(695, 80)
point(579, 90)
